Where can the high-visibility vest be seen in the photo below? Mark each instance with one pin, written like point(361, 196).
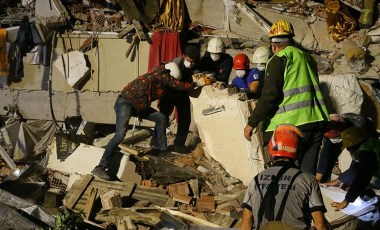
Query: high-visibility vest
point(303, 101)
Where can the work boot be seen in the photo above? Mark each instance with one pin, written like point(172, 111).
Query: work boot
point(100, 171)
point(179, 149)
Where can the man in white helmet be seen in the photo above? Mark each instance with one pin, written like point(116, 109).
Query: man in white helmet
point(180, 99)
point(135, 100)
point(216, 61)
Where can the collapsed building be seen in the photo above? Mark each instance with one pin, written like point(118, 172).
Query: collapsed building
point(57, 96)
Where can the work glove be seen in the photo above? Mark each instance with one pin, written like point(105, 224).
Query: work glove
point(232, 90)
point(201, 79)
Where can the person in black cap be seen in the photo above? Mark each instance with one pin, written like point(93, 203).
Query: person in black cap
point(180, 99)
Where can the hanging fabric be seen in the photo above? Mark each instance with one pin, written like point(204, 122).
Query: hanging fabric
point(340, 23)
point(165, 47)
point(3, 53)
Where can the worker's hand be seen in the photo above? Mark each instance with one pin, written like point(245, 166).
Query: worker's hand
point(200, 82)
point(340, 205)
point(208, 79)
point(248, 132)
point(333, 183)
point(232, 90)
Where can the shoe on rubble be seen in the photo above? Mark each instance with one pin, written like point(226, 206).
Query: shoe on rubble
point(100, 172)
point(179, 149)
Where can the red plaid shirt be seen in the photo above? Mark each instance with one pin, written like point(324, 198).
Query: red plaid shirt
point(145, 89)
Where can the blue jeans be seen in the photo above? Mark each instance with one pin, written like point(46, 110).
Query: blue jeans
point(348, 176)
point(123, 111)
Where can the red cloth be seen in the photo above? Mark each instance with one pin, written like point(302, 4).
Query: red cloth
point(165, 46)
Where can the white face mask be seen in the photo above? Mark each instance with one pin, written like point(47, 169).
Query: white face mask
point(188, 64)
point(261, 67)
point(240, 72)
point(215, 57)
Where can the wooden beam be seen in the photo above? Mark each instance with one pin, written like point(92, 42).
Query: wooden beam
point(90, 203)
point(78, 191)
point(193, 219)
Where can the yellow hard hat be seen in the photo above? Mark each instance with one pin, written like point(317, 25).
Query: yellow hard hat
point(353, 136)
point(281, 28)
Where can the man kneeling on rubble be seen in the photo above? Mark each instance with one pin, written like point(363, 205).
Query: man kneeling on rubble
point(282, 196)
point(135, 100)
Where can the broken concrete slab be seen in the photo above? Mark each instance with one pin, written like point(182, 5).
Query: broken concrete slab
point(224, 141)
point(83, 160)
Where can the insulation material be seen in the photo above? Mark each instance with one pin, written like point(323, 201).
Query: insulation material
point(222, 132)
point(342, 93)
point(72, 66)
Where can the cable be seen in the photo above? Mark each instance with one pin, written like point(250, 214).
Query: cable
point(50, 82)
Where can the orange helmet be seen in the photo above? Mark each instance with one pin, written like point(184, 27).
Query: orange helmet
point(281, 28)
point(241, 61)
point(284, 142)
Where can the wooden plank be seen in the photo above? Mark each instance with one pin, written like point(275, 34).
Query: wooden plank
point(125, 31)
point(78, 192)
point(182, 198)
point(112, 214)
point(193, 219)
point(128, 149)
point(175, 223)
point(90, 203)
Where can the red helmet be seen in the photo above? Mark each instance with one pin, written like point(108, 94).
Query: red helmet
point(284, 142)
point(241, 61)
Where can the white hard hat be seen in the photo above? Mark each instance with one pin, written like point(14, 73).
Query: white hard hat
point(174, 70)
point(215, 45)
point(261, 55)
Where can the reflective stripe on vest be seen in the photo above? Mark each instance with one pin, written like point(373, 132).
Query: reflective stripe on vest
point(303, 101)
point(299, 105)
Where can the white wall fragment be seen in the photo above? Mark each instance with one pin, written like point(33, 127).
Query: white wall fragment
point(72, 66)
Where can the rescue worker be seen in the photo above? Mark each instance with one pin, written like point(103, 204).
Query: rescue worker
point(291, 94)
point(282, 196)
point(135, 100)
point(216, 61)
point(180, 99)
point(332, 141)
point(365, 153)
point(249, 80)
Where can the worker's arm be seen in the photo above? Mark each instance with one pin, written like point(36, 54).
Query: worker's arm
point(319, 220)
point(247, 221)
point(272, 93)
point(254, 86)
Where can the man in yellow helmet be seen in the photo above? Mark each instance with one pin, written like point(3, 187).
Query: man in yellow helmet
point(291, 94)
point(365, 153)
